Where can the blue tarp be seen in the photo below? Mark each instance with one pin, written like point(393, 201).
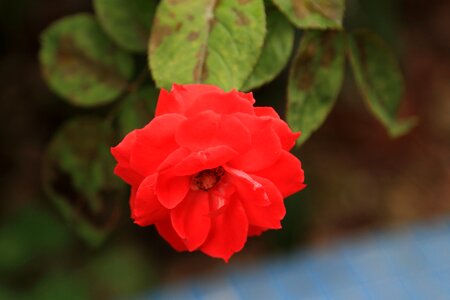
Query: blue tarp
point(407, 263)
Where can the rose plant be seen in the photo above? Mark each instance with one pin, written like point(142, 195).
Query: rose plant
point(204, 143)
point(210, 169)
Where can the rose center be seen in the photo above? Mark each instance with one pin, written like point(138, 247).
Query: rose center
point(207, 179)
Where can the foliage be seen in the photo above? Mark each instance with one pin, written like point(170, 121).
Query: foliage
point(379, 78)
point(315, 80)
point(128, 23)
point(36, 245)
point(81, 64)
point(99, 60)
point(206, 41)
point(78, 177)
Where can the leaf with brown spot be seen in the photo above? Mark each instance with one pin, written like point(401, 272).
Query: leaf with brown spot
point(206, 41)
point(81, 64)
point(313, 14)
point(159, 33)
point(127, 22)
point(379, 78)
point(315, 80)
point(241, 19)
point(193, 36)
point(78, 177)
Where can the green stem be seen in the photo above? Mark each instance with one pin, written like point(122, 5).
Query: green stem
point(131, 88)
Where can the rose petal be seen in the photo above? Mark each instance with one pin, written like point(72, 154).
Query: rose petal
point(191, 220)
point(174, 158)
point(208, 129)
point(228, 232)
point(154, 143)
point(122, 151)
point(209, 158)
point(181, 97)
point(128, 175)
point(286, 173)
point(287, 137)
point(244, 182)
point(247, 96)
point(167, 103)
point(165, 229)
point(183, 162)
point(266, 111)
point(146, 209)
point(285, 134)
point(171, 190)
point(265, 145)
point(268, 216)
point(132, 200)
point(226, 103)
point(188, 93)
point(220, 196)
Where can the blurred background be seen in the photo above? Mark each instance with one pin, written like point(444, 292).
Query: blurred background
point(359, 180)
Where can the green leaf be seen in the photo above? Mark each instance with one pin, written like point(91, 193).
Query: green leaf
point(81, 64)
point(7, 292)
point(30, 234)
point(61, 284)
point(78, 177)
point(317, 14)
point(276, 50)
point(107, 270)
point(127, 22)
point(315, 80)
point(137, 109)
point(378, 76)
point(206, 41)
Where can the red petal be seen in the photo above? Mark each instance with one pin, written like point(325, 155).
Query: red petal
point(171, 190)
point(165, 229)
point(247, 184)
point(128, 175)
point(287, 137)
point(191, 220)
point(146, 209)
point(202, 160)
point(265, 146)
point(208, 129)
point(122, 155)
point(167, 103)
point(181, 97)
point(228, 232)
point(174, 158)
point(266, 111)
point(132, 200)
point(154, 143)
point(122, 151)
point(286, 173)
point(188, 93)
point(227, 103)
point(220, 196)
point(246, 96)
point(183, 162)
point(268, 216)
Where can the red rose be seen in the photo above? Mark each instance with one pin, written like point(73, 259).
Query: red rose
point(210, 169)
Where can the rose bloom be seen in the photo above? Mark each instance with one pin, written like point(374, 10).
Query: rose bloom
point(210, 169)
